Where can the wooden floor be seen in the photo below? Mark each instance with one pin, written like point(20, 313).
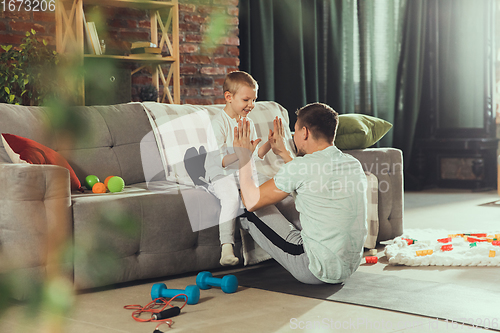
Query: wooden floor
point(253, 310)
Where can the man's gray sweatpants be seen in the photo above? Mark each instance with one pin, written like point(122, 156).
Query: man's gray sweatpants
point(281, 239)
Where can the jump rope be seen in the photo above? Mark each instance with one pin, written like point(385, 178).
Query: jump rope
point(160, 309)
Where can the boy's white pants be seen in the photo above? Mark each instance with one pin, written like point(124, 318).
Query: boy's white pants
point(226, 190)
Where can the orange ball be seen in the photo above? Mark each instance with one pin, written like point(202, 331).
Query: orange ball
point(99, 188)
point(106, 180)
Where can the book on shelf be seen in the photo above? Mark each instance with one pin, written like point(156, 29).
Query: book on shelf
point(140, 44)
point(88, 41)
point(94, 38)
point(150, 50)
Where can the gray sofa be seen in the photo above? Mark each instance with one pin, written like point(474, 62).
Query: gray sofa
point(136, 234)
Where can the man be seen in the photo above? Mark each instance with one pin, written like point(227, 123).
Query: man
point(329, 188)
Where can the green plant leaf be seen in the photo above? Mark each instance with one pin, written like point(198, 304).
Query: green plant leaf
point(11, 98)
point(27, 33)
point(7, 90)
point(33, 31)
point(6, 47)
point(44, 42)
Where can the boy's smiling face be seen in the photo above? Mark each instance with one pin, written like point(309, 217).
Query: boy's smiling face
point(241, 103)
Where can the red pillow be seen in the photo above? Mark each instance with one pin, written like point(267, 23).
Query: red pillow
point(34, 153)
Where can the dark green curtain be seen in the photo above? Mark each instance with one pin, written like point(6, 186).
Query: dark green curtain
point(462, 51)
point(363, 57)
point(282, 43)
point(345, 53)
point(358, 56)
point(410, 82)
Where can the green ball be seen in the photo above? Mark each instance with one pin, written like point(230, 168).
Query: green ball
point(116, 184)
point(90, 180)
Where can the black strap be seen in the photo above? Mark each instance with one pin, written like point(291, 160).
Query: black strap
point(287, 247)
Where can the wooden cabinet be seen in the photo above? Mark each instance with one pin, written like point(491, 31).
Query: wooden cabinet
point(70, 40)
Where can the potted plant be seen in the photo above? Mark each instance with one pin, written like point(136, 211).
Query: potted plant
point(28, 73)
point(148, 93)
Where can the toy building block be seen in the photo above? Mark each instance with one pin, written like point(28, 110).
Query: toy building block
point(373, 252)
point(495, 242)
point(472, 244)
point(475, 239)
point(497, 236)
point(408, 241)
point(444, 240)
point(492, 253)
point(371, 259)
point(479, 235)
point(447, 247)
point(422, 253)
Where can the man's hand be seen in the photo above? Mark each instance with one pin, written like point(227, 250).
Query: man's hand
point(278, 140)
point(253, 196)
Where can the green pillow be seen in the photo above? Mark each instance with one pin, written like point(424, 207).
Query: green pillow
point(358, 131)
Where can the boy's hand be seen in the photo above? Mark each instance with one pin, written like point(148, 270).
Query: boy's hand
point(243, 146)
point(255, 143)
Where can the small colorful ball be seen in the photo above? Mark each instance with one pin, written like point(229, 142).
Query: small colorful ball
point(116, 184)
point(99, 188)
point(107, 180)
point(90, 180)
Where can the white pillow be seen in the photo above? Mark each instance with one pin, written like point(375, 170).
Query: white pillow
point(14, 157)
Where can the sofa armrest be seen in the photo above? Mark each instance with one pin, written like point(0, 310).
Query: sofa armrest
point(387, 165)
point(35, 219)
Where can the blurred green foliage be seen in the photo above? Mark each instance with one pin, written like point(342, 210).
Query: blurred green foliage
point(216, 30)
point(27, 73)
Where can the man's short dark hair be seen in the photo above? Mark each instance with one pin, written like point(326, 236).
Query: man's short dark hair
point(320, 119)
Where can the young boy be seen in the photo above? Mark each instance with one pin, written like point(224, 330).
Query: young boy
point(240, 93)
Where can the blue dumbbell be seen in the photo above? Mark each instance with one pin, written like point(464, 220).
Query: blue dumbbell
point(160, 290)
point(228, 283)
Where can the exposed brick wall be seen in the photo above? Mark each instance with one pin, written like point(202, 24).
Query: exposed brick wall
point(13, 26)
point(202, 69)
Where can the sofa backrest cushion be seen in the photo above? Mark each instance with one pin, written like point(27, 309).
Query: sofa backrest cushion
point(30, 122)
point(110, 144)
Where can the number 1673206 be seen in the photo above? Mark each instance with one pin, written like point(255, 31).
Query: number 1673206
point(28, 5)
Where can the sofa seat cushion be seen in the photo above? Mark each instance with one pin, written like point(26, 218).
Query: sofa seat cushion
point(149, 234)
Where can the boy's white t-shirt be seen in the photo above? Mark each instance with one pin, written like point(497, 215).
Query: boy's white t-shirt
point(223, 127)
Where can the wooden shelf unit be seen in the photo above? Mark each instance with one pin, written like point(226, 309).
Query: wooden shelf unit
point(70, 39)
